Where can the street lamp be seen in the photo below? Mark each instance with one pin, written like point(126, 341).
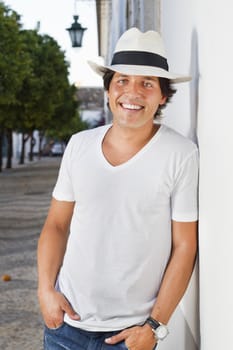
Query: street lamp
point(76, 32)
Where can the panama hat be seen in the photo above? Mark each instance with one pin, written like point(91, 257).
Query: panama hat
point(138, 53)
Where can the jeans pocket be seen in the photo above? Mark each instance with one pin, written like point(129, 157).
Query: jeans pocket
point(121, 346)
point(55, 328)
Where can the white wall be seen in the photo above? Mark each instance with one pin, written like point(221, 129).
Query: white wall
point(198, 35)
point(216, 190)
point(179, 35)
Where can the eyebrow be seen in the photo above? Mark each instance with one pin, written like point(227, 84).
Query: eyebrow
point(150, 78)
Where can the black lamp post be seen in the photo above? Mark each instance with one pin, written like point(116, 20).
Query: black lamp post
point(76, 32)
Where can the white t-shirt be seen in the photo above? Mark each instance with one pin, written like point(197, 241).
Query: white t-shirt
point(120, 234)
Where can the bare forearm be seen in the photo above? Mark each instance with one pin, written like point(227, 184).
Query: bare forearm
point(52, 242)
point(174, 284)
point(51, 250)
point(179, 270)
point(53, 304)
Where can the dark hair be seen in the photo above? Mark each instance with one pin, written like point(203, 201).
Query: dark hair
point(165, 86)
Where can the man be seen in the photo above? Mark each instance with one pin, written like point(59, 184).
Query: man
point(118, 247)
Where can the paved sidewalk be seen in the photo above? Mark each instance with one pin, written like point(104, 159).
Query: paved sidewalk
point(25, 194)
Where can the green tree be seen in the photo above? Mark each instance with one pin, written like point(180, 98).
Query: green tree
point(66, 119)
point(13, 68)
point(35, 93)
point(43, 90)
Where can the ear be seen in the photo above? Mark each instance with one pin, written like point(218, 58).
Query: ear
point(163, 100)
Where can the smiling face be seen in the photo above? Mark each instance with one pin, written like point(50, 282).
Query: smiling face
point(134, 99)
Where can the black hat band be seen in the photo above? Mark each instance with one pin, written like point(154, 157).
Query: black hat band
point(140, 58)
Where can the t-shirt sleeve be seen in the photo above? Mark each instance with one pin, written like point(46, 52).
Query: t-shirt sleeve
point(184, 201)
point(63, 189)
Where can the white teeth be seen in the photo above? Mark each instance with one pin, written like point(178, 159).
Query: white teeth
point(129, 106)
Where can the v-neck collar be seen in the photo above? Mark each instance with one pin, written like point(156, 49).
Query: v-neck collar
point(134, 157)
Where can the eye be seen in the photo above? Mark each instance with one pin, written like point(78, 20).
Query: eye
point(121, 81)
point(148, 84)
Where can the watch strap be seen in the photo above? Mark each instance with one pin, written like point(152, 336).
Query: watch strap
point(152, 322)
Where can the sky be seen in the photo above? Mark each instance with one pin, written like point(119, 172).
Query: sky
point(54, 17)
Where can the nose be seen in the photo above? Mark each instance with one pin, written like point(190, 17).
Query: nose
point(133, 88)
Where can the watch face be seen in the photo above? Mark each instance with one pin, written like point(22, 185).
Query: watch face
point(161, 332)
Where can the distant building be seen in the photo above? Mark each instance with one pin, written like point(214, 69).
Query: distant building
point(91, 105)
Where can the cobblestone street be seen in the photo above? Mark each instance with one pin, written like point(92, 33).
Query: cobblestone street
point(25, 194)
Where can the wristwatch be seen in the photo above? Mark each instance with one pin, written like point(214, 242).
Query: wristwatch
point(160, 330)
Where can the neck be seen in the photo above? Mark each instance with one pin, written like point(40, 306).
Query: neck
point(121, 144)
point(136, 136)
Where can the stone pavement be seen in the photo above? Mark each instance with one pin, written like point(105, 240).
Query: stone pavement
point(25, 194)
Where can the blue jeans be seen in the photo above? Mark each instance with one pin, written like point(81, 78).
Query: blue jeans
point(72, 338)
